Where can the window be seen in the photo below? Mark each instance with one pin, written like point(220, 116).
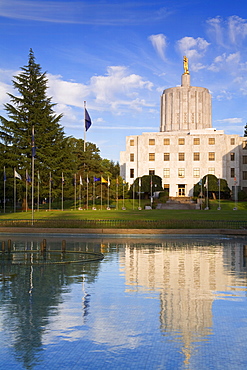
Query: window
point(244, 144)
point(232, 156)
point(151, 172)
point(196, 156)
point(196, 172)
point(131, 173)
point(211, 170)
point(181, 141)
point(166, 172)
point(166, 141)
point(232, 141)
point(181, 156)
point(244, 159)
point(196, 141)
point(232, 172)
point(132, 157)
point(211, 156)
point(244, 175)
point(181, 172)
point(211, 141)
point(132, 142)
point(151, 141)
point(152, 156)
point(166, 156)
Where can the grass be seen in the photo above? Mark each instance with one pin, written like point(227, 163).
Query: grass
point(225, 214)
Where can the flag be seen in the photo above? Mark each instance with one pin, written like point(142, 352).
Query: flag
point(63, 180)
point(38, 177)
point(117, 181)
point(87, 180)
point(33, 144)
point(88, 121)
point(206, 182)
point(140, 182)
point(4, 175)
point(80, 180)
point(103, 180)
point(16, 174)
point(109, 181)
point(28, 178)
point(96, 179)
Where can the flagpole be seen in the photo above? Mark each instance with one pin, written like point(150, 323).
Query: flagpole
point(26, 188)
point(33, 154)
point(139, 193)
point(38, 192)
point(50, 193)
point(14, 192)
point(117, 193)
point(87, 192)
point(75, 191)
point(108, 194)
point(62, 190)
point(101, 194)
point(84, 126)
point(4, 193)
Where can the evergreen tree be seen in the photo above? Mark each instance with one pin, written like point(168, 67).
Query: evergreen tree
point(32, 108)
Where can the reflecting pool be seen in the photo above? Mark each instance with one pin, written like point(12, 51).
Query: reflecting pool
point(171, 302)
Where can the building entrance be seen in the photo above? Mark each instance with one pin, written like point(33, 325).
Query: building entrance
point(181, 190)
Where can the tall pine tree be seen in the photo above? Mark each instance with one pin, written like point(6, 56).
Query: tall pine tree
point(31, 107)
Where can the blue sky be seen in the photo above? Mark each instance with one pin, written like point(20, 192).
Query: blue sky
point(120, 56)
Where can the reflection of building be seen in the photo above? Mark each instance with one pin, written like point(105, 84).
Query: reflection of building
point(187, 147)
point(188, 279)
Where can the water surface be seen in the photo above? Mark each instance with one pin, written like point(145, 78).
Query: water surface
point(154, 303)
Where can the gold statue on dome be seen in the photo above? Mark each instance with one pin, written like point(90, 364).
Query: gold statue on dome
point(186, 66)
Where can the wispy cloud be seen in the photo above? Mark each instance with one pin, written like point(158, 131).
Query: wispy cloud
point(230, 120)
point(159, 44)
point(83, 12)
point(227, 32)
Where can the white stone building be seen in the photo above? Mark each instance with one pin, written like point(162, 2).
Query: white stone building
point(187, 147)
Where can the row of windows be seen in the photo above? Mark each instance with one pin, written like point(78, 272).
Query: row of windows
point(196, 172)
point(181, 156)
point(181, 141)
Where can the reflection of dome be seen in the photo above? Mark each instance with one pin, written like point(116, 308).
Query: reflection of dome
point(187, 279)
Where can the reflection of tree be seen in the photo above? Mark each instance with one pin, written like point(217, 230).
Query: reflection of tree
point(30, 295)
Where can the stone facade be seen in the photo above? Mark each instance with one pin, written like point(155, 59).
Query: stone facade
point(187, 147)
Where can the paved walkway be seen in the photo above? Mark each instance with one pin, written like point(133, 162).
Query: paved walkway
point(31, 230)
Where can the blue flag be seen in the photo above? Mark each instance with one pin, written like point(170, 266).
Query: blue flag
point(88, 121)
point(96, 179)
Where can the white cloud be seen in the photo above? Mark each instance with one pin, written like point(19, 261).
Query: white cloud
point(230, 120)
point(191, 47)
point(115, 91)
point(230, 31)
point(159, 44)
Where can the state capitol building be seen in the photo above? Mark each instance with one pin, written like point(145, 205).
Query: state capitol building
point(187, 147)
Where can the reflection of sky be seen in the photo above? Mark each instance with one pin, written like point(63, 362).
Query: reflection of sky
point(103, 323)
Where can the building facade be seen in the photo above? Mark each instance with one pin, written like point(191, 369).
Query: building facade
point(187, 147)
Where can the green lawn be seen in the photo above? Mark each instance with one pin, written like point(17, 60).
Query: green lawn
point(226, 213)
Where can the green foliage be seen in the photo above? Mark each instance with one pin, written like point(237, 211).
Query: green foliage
point(245, 130)
point(32, 108)
point(213, 187)
point(149, 183)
